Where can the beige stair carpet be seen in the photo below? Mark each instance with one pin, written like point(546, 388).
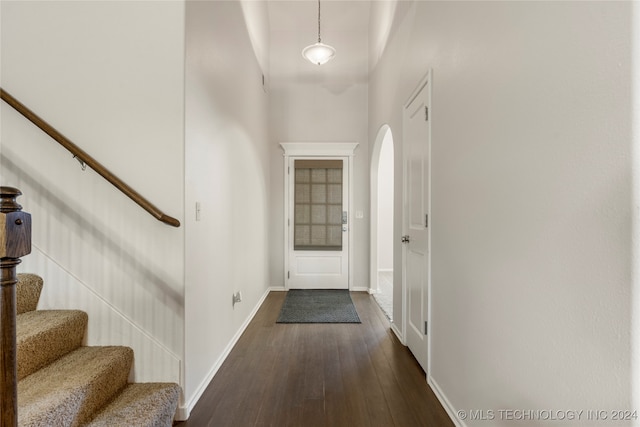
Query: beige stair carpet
point(140, 405)
point(69, 391)
point(62, 384)
point(46, 335)
point(28, 292)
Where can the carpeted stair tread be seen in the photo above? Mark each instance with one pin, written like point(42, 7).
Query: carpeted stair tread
point(69, 391)
point(46, 335)
point(28, 292)
point(140, 405)
point(64, 384)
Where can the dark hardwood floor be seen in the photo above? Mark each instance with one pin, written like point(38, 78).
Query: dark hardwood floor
point(328, 375)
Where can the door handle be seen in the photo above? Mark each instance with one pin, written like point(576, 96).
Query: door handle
point(405, 239)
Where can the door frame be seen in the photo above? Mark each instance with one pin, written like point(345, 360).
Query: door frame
point(319, 150)
point(427, 79)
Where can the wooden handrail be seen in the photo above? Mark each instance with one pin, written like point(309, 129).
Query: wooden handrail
point(85, 158)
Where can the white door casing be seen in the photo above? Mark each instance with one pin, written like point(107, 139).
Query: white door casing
point(317, 269)
point(416, 209)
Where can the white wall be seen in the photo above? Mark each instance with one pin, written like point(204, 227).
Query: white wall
point(385, 203)
point(227, 172)
point(531, 196)
point(635, 302)
point(306, 106)
point(108, 75)
point(257, 24)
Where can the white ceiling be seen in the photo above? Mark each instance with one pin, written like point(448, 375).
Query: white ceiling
point(303, 15)
point(294, 24)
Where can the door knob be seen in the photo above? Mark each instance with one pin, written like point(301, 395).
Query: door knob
point(405, 239)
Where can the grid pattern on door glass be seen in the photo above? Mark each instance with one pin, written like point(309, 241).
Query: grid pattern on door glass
point(318, 205)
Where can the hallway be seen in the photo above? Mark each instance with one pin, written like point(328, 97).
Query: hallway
point(319, 375)
point(534, 273)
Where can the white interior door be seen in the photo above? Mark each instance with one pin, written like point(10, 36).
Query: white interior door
point(318, 223)
point(417, 143)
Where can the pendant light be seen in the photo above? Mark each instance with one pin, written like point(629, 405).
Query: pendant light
point(318, 53)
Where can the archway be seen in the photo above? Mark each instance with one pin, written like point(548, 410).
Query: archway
point(382, 204)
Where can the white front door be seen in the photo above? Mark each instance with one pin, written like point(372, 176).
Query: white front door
point(318, 223)
point(417, 144)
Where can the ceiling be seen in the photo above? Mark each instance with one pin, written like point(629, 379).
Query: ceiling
point(293, 25)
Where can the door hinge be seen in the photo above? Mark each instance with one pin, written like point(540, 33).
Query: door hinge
point(288, 170)
point(425, 327)
point(426, 220)
point(426, 114)
point(289, 222)
point(288, 275)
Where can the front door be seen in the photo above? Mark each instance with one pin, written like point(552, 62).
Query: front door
point(417, 134)
point(318, 223)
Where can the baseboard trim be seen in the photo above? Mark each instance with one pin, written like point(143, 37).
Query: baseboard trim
point(396, 331)
point(359, 289)
point(445, 402)
point(184, 411)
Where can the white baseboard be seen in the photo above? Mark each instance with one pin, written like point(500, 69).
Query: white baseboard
point(359, 289)
point(184, 411)
point(451, 411)
point(278, 288)
point(396, 331)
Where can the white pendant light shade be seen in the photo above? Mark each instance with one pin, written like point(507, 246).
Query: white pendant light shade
point(318, 53)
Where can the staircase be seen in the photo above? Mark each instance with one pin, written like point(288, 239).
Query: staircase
point(62, 383)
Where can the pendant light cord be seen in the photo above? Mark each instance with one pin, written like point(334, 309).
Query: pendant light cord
point(319, 41)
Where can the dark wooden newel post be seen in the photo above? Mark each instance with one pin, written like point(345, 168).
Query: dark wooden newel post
point(15, 242)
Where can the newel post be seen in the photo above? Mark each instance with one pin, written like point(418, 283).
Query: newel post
point(15, 242)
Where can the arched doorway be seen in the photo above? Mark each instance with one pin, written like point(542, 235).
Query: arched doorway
point(382, 182)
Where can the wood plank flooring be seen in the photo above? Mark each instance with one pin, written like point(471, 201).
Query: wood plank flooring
point(319, 375)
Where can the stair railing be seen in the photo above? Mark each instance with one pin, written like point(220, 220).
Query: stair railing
point(86, 159)
point(15, 242)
